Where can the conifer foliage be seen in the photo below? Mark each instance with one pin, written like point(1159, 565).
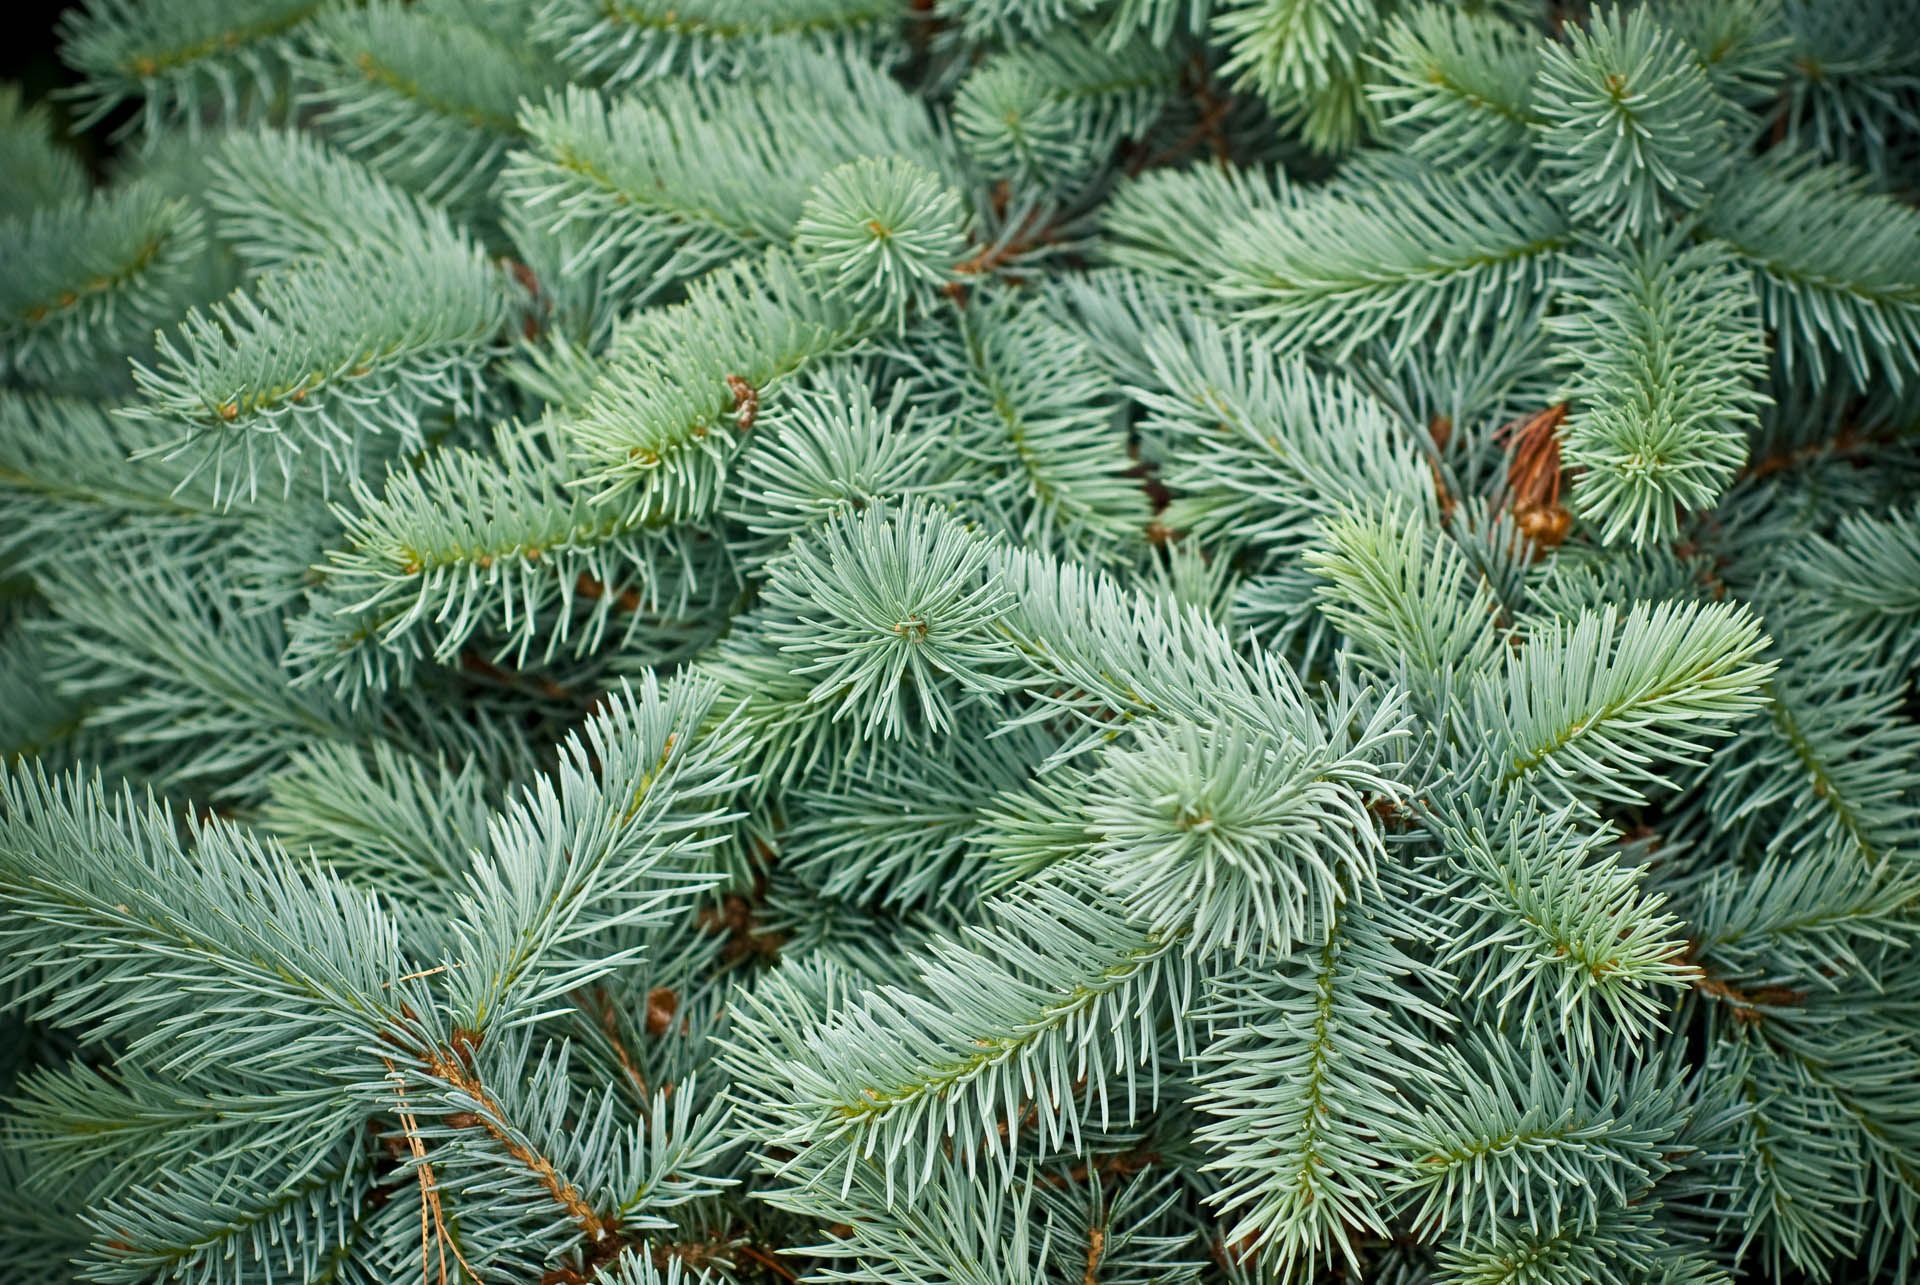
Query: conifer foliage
point(964, 643)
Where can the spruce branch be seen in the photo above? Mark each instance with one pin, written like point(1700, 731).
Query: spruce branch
point(1458, 85)
point(1036, 446)
point(890, 618)
point(661, 185)
point(321, 357)
point(429, 101)
point(624, 43)
point(1411, 254)
point(1561, 1144)
point(283, 197)
point(662, 426)
point(1630, 123)
point(829, 449)
point(65, 467)
point(969, 642)
point(1867, 574)
point(91, 278)
point(635, 834)
point(1834, 266)
point(503, 548)
point(1592, 707)
point(882, 234)
point(221, 1224)
point(1279, 463)
point(182, 58)
point(1669, 353)
point(1239, 844)
point(1548, 922)
point(1825, 768)
point(1309, 1067)
point(1049, 114)
point(42, 172)
point(1307, 59)
point(1065, 994)
point(1409, 604)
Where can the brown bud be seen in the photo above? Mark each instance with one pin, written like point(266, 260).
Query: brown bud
point(662, 1004)
point(1547, 525)
point(746, 400)
point(465, 1042)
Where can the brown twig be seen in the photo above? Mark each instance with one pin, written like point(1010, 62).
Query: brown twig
point(1031, 233)
point(1841, 443)
point(476, 663)
point(530, 326)
point(1118, 1164)
point(736, 917)
point(1747, 1006)
point(433, 1225)
point(1440, 432)
point(768, 1261)
point(1214, 109)
point(1096, 1246)
point(599, 1005)
point(593, 589)
point(454, 1070)
point(662, 1004)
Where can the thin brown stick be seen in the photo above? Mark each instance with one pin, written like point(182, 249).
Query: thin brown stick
point(1213, 113)
point(475, 662)
point(431, 1213)
point(565, 1194)
point(1841, 443)
point(1028, 235)
point(768, 1261)
point(425, 972)
point(1747, 1006)
point(598, 1004)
